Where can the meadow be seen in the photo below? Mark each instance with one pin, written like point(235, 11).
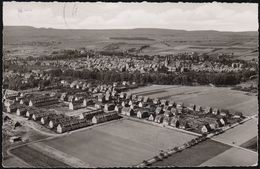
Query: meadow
point(219, 97)
point(121, 143)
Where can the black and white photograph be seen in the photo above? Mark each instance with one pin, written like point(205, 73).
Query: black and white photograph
point(129, 84)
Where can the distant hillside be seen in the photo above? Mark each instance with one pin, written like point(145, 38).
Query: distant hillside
point(160, 41)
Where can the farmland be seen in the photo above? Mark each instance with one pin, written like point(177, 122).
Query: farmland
point(219, 97)
point(121, 143)
point(195, 155)
point(240, 134)
point(233, 157)
point(36, 158)
point(24, 41)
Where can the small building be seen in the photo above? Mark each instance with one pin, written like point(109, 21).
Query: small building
point(172, 103)
point(215, 111)
point(142, 113)
point(140, 98)
point(118, 108)
point(205, 128)
point(174, 111)
point(175, 122)
point(156, 101)
point(74, 105)
point(166, 120)
point(133, 106)
point(151, 117)
point(146, 99)
point(164, 102)
point(21, 111)
point(142, 104)
point(125, 104)
point(208, 110)
point(158, 118)
point(99, 105)
point(105, 117)
point(237, 114)
point(198, 108)
point(224, 112)
point(122, 95)
point(192, 107)
point(101, 98)
point(168, 113)
point(127, 111)
point(88, 102)
point(109, 107)
point(159, 110)
point(179, 105)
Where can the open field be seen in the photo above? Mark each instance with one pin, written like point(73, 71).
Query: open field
point(22, 41)
point(239, 134)
point(220, 97)
point(233, 157)
point(251, 144)
point(194, 155)
point(36, 158)
point(121, 143)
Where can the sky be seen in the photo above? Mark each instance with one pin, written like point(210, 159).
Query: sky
point(99, 15)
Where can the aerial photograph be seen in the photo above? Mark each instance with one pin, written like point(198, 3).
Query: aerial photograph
point(120, 84)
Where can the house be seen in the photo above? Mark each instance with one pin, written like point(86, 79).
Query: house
point(88, 102)
point(57, 119)
point(44, 120)
point(71, 98)
point(118, 108)
point(38, 115)
point(175, 122)
point(172, 103)
point(208, 110)
point(21, 111)
point(142, 104)
point(105, 117)
point(74, 105)
point(127, 111)
point(164, 102)
point(43, 101)
point(140, 98)
point(101, 98)
point(109, 107)
point(237, 114)
point(133, 106)
point(99, 105)
point(72, 125)
point(151, 117)
point(124, 104)
point(198, 108)
point(166, 108)
point(159, 110)
point(205, 128)
point(168, 113)
point(158, 118)
point(215, 111)
point(122, 95)
point(192, 107)
point(183, 124)
point(174, 111)
point(156, 101)
point(179, 105)
point(166, 120)
point(134, 97)
point(224, 112)
point(146, 99)
point(142, 113)
point(108, 97)
point(222, 121)
point(89, 115)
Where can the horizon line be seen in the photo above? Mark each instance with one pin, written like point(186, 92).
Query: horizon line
point(127, 28)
